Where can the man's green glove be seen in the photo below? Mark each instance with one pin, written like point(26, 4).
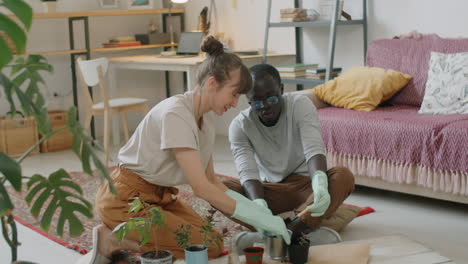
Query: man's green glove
point(264, 204)
point(247, 211)
point(321, 196)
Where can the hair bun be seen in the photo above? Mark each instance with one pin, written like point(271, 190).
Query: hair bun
point(212, 46)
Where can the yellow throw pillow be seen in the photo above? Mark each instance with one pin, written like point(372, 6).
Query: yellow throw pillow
point(362, 88)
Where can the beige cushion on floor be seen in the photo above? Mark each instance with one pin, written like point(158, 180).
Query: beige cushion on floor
point(341, 218)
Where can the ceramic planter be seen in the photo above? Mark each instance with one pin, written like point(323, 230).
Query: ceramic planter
point(197, 254)
point(156, 257)
point(253, 255)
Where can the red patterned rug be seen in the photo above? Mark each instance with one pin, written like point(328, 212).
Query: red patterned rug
point(83, 243)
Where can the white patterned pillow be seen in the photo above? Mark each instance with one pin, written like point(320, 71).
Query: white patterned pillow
point(447, 84)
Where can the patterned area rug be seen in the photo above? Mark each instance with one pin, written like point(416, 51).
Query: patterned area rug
point(88, 183)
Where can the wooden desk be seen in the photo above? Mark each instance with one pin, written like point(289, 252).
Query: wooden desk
point(189, 65)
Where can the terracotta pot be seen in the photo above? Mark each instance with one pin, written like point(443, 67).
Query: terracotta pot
point(253, 255)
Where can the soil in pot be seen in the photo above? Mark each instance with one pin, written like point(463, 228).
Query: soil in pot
point(156, 257)
point(253, 255)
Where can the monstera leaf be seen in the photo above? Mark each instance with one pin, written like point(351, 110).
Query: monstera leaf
point(25, 85)
point(11, 171)
point(58, 194)
point(12, 30)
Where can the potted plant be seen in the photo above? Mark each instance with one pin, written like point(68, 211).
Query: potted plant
point(146, 228)
point(50, 6)
point(21, 90)
point(298, 250)
point(198, 254)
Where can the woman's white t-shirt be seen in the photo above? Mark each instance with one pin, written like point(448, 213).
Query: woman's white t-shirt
point(170, 124)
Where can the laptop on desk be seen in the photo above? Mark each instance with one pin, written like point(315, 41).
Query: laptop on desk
point(189, 45)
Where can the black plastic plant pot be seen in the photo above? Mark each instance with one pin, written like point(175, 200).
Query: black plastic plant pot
point(298, 252)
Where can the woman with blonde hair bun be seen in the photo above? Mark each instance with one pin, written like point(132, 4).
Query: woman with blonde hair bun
point(173, 145)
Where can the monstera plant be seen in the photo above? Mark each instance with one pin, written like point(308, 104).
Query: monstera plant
point(21, 82)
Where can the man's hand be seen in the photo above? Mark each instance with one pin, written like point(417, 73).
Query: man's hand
point(321, 196)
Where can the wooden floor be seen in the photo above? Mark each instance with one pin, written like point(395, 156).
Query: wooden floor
point(395, 249)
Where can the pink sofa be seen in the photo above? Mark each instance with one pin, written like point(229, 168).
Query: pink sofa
point(394, 147)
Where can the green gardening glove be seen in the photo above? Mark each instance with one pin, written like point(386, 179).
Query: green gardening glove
point(239, 197)
point(247, 211)
point(321, 196)
point(264, 204)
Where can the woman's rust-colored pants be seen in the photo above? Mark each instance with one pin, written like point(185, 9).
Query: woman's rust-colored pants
point(113, 210)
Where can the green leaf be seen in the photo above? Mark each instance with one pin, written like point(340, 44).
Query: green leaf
point(11, 170)
point(66, 201)
point(135, 206)
point(157, 217)
point(6, 54)
point(8, 90)
point(36, 208)
point(35, 190)
point(48, 214)
point(14, 31)
point(103, 172)
point(85, 154)
point(21, 10)
point(141, 231)
point(5, 202)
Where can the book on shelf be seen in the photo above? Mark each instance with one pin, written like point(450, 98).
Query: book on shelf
point(294, 19)
point(322, 70)
point(319, 76)
point(292, 74)
point(296, 67)
point(123, 39)
point(118, 45)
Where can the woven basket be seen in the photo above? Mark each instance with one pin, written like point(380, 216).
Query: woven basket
point(63, 139)
point(18, 135)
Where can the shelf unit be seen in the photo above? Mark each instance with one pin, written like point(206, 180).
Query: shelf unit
point(300, 82)
point(84, 17)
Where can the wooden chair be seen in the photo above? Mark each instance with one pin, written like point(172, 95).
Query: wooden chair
point(91, 73)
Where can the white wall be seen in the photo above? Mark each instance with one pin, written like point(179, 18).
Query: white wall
point(245, 25)
point(52, 34)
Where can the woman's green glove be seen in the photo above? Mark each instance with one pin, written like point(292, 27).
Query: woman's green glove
point(263, 204)
point(321, 196)
point(248, 212)
point(238, 197)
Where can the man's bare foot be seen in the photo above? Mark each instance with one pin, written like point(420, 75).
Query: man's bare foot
point(108, 242)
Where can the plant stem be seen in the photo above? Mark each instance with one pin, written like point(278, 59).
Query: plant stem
point(45, 138)
point(13, 242)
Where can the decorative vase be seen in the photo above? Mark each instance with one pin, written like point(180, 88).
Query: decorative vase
point(197, 254)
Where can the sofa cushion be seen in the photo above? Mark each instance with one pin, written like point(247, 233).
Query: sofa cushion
point(398, 134)
point(362, 88)
point(447, 84)
point(411, 56)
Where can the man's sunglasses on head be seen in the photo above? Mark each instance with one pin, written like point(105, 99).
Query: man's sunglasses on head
point(269, 101)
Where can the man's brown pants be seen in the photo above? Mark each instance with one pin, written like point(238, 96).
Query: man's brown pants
point(113, 210)
point(295, 192)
